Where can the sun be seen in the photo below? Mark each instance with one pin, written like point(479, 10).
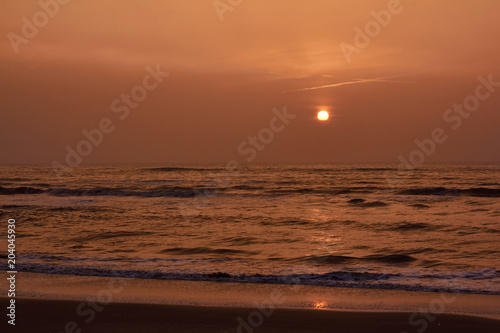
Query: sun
point(323, 115)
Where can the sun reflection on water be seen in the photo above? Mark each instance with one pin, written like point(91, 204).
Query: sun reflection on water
point(320, 304)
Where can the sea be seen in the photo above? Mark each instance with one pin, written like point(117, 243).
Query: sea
point(434, 228)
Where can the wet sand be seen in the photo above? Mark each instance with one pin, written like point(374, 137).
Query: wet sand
point(35, 315)
point(76, 304)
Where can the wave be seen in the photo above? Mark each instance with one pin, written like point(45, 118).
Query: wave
point(242, 241)
point(285, 221)
point(346, 279)
point(177, 191)
point(15, 179)
point(324, 191)
point(363, 203)
point(339, 259)
point(107, 235)
point(489, 184)
point(180, 169)
point(340, 169)
point(367, 169)
point(204, 250)
point(409, 226)
point(18, 206)
point(420, 206)
point(20, 190)
point(246, 187)
point(200, 190)
point(163, 191)
point(472, 192)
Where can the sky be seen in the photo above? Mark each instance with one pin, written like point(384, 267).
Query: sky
point(233, 65)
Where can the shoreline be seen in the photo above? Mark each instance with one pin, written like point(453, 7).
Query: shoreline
point(234, 294)
point(244, 295)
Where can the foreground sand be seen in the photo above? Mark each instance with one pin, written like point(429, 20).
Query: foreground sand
point(60, 316)
point(79, 304)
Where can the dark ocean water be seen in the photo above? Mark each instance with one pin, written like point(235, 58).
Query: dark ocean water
point(361, 226)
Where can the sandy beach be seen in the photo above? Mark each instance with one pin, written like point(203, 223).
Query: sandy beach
point(65, 303)
point(59, 316)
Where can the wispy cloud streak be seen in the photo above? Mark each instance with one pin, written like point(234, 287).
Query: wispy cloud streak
point(340, 84)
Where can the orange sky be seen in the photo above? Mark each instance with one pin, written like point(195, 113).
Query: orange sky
point(225, 78)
